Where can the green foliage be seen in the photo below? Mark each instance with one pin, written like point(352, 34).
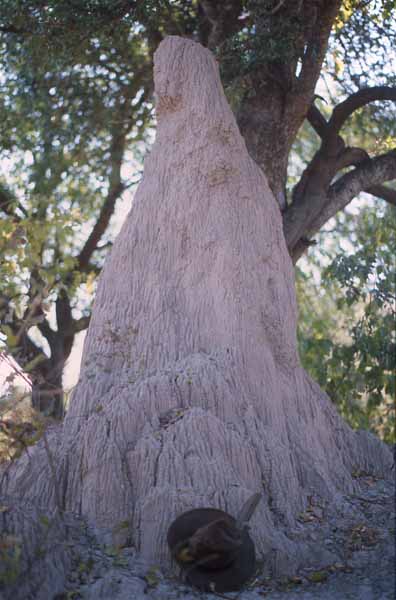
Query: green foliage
point(318, 576)
point(362, 43)
point(347, 330)
point(362, 53)
point(267, 41)
point(70, 120)
point(153, 577)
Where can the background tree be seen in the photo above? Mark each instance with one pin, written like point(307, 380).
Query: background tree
point(88, 67)
point(346, 335)
point(67, 130)
point(347, 317)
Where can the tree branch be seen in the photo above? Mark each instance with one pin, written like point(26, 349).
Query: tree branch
point(222, 18)
point(367, 174)
point(81, 324)
point(99, 228)
point(63, 312)
point(317, 121)
point(116, 188)
point(355, 156)
point(351, 156)
point(277, 7)
point(329, 130)
point(305, 218)
point(46, 330)
point(343, 110)
point(316, 46)
point(314, 199)
point(384, 192)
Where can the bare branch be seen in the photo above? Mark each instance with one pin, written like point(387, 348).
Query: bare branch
point(277, 7)
point(317, 47)
point(329, 130)
point(355, 156)
point(314, 199)
point(46, 330)
point(367, 174)
point(351, 157)
point(343, 110)
point(384, 192)
point(317, 121)
point(116, 188)
point(99, 228)
point(303, 220)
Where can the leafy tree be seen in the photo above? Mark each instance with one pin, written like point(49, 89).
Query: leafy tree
point(347, 326)
point(69, 123)
point(76, 102)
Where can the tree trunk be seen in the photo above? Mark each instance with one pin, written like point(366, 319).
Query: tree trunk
point(191, 391)
point(47, 390)
point(48, 398)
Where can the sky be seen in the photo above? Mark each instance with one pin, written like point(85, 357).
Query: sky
point(11, 374)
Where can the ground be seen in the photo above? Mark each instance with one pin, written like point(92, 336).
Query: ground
point(359, 544)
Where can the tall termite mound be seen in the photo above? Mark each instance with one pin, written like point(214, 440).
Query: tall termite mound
point(191, 391)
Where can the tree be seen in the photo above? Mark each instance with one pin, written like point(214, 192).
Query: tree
point(353, 360)
point(63, 184)
point(191, 390)
point(271, 56)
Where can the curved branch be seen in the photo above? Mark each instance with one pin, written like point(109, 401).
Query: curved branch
point(329, 130)
point(352, 156)
point(343, 110)
point(367, 174)
point(355, 156)
point(317, 121)
point(313, 196)
point(384, 192)
point(277, 7)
